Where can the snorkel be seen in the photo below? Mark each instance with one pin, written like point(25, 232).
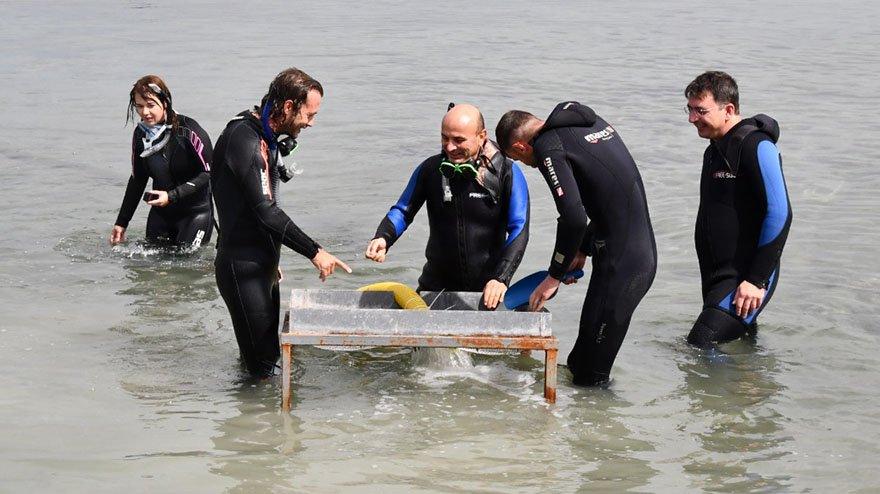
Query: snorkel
point(264, 119)
point(283, 146)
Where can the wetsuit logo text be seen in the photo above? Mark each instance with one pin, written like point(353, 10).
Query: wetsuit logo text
point(602, 135)
point(554, 180)
point(723, 174)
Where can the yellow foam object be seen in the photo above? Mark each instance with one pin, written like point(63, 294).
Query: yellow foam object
point(406, 297)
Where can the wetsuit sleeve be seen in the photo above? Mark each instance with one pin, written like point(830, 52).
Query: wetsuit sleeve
point(589, 236)
point(137, 182)
point(766, 168)
point(247, 157)
point(198, 145)
point(517, 226)
point(572, 222)
point(404, 210)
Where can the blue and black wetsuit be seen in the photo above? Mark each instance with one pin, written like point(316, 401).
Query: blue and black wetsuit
point(182, 168)
point(742, 225)
point(252, 229)
point(592, 175)
point(478, 228)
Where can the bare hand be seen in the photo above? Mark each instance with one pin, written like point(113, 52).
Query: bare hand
point(280, 274)
point(117, 235)
point(543, 293)
point(579, 261)
point(160, 201)
point(377, 249)
point(493, 293)
point(326, 264)
point(748, 299)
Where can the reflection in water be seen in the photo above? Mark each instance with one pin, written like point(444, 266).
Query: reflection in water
point(175, 342)
point(601, 445)
point(731, 400)
point(258, 444)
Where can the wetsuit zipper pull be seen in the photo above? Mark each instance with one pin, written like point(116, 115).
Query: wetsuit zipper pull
point(447, 190)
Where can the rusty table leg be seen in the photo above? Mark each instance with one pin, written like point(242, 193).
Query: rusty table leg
point(285, 376)
point(550, 375)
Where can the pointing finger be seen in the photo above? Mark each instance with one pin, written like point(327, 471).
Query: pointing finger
point(342, 265)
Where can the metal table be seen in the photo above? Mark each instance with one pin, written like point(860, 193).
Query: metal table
point(354, 318)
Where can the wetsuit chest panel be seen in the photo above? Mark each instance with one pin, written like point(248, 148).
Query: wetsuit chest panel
point(159, 169)
point(466, 233)
point(729, 216)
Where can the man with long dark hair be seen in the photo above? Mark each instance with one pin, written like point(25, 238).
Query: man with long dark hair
point(247, 168)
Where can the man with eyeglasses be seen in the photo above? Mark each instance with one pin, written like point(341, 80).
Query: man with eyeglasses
point(744, 212)
point(478, 212)
point(590, 174)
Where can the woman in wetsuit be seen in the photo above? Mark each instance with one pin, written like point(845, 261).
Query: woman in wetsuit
point(175, 152)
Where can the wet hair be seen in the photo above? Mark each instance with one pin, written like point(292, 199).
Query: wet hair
point(290, 84)
point(511, 128)
point(152, 87)
point(719, 84)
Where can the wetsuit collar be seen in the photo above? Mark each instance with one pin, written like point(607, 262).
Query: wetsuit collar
point(569, 114)
point(730, 145)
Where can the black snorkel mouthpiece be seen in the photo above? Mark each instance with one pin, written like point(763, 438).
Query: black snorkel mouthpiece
point(285, 147)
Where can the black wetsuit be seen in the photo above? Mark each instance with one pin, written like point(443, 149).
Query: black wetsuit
point(252, 229)
point(182, 168)
point(742, 225)
point(591, 174)
point(477, 232)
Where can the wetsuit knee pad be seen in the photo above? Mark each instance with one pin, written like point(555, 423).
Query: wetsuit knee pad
point(716, 326)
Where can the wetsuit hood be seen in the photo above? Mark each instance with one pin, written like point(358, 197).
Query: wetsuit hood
point(731, 144)
point(570, 114)
point(765, 124)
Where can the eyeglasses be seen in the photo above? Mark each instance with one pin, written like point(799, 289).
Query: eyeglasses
point(448, 169)
point(699, 111)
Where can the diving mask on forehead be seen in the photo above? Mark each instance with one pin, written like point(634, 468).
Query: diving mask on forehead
point(156, 89)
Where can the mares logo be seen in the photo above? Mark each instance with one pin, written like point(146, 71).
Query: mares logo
point(264, 183)
point(197, 242)
point(723, 174)
point(602, 135)
point(554, 180)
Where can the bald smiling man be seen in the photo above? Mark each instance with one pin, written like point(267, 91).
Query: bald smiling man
point(478, 212)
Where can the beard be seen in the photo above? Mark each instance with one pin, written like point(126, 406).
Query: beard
point(289, 127)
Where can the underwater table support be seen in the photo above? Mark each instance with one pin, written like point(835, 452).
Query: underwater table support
point(327, 318)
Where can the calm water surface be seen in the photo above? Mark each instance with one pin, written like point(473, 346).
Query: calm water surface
point(120, 366)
